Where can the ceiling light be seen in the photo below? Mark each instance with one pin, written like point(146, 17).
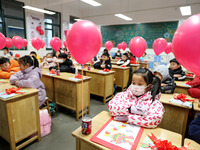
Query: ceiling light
point(91, 2)
point(78, 19)
point(185, 10)
point(39, 10)
point(123, 17)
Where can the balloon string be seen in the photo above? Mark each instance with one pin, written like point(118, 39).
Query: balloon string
point(82, 91)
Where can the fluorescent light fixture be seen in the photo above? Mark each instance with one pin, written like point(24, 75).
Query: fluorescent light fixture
point(185, 10)
point(123, 17)
point(39, 10)
point(91, 2)
point(15, 27)
point(78, 19)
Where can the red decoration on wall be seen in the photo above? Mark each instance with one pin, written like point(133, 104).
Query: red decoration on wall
point(41, 32)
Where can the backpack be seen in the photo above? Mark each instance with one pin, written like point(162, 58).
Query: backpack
point(52, 107)
point(45, 122)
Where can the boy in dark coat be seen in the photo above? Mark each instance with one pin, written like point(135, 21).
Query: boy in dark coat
point(104, 63)
point(176, 71)
point(194, 129)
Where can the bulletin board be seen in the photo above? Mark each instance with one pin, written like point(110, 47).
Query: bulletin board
point(149, 31)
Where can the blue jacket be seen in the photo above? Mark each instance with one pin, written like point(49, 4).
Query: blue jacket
point(194, 129)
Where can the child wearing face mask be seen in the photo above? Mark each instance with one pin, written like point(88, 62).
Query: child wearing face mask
point(65, 64)
point(117, 55)
point(48, 61)
point(139, 104)
point(29, 76)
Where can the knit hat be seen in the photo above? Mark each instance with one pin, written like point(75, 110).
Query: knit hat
point(163, 70)
point(174, 60)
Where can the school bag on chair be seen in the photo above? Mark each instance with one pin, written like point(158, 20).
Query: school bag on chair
point(45, 122)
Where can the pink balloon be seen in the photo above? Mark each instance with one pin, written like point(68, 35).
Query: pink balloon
point(119, 46)
point(137, 46)
point(17, 42)
point(109, 45)
point(186, 44)
point(8, 42)
point(25, 42)
point(36, 42)
point(169, 48)
point(56, 43)
point(65, 44)
point(43, 44)
point(2, 41)
point(124, 45)
point(84, 41)
point(159, 45)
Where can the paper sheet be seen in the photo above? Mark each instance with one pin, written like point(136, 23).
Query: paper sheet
point(187, 104)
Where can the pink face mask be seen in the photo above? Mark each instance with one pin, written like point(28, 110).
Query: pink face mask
point(137, 90)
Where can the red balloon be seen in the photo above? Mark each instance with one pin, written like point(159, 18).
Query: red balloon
point(137, 46)
point(124, 45)
point(119, 46)
point(65, 44)
point(186, 44)
point(169, 48)
point(41, 32)
point(8, 42)
point(38, 28)
point(17, 42)
point(84, 41)
point(2, 41)
point(25, 42)
point(56, 43)
point(43, 44)
point(109, 45)
point(159, 45)
point(36, 42)
point(65, 32)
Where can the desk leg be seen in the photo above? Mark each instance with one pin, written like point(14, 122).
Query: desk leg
point(38, 118)
point(78, 144)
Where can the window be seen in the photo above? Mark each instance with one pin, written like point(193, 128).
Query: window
point(12, 19)
point(52, 27)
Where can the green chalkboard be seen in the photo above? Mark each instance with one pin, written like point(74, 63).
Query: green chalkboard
point(149, 31)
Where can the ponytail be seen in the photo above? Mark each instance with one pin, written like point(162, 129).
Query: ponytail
point(31, 60)
point(156, 87)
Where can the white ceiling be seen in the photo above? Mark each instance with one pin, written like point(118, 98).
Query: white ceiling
point(140, 11)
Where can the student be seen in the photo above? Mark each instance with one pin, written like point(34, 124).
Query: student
point(55, 55)
point(131, 57)
point(48, 61)
point(117, 55)
point(105, 51)
point(8, 67)
point(194, 129)
point(124, 61)
point(139, 104)
point(6, 53)
point(32, 53)
point(104, 63)
point(143, 58)
point(29, 76)
point(168, 85)
point(65, 64)
point(176, 71)
point(194, 91)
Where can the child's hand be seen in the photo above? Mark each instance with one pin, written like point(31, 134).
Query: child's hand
point(177, 75)
point(163, 84)
point(16, 82)
point(121, 118)
point(103, 66)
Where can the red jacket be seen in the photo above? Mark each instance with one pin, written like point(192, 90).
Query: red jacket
point(194, 91)
point(133, 60)
point(195, 83)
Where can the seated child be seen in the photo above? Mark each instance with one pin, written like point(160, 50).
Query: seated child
point(175, 70)
point(139, 104)
point(48, 61)
point(65, 64)
point(124, 61)
point(105, 51)
point(168, 85)
point(104, 62)
point(194, 129)
point(8, 67)
point(117, 55)
point(194, 91)
point(7, 53)
point(29, 76)
point(36, 56)
point(143, 58)
point(131, 57)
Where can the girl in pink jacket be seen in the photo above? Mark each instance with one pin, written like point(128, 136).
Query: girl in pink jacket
point(139, 104)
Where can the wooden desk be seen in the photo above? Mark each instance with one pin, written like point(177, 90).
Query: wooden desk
point(114, 60)
point(121, 76)
point(175, 116)
point(113, 63)
point(196, 108)
point(135, 66)
point(193, 144)
point(101, 83)
point(189, 78)
point(83, 141)
point(68, 93)
point(143, 64)
point(19, 117)
point(180, 88)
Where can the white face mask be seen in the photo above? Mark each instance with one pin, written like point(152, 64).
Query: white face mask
point(137, 90)
point(60, 60)
point(49, 59)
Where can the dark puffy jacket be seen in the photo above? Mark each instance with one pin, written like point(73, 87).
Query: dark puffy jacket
point(66, 66)
point(171, 85)
point(194, 129)
point(108, 64)
point(177, 71)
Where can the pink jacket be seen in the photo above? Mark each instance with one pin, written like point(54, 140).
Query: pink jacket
point(122, 101)
point(46, 64)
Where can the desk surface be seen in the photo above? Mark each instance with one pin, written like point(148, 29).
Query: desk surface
point(195, 105)
point(135, 65)
point(166, 97)
point(99, 120)
point(193, 144)
point(118, 67)
point(98, 71)
point(182, 84)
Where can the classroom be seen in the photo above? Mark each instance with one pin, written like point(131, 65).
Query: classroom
point(99, 74)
